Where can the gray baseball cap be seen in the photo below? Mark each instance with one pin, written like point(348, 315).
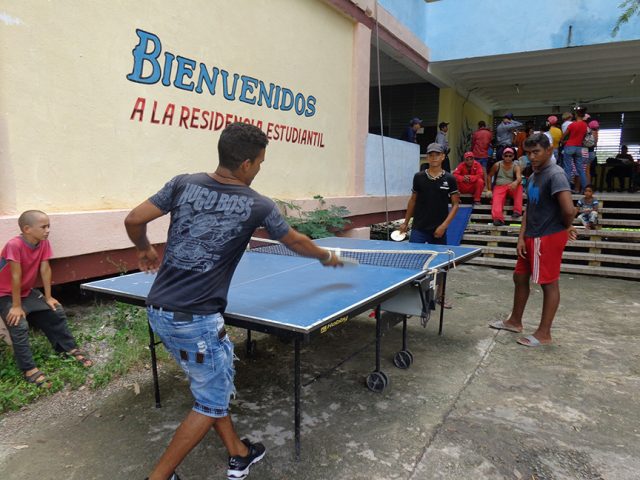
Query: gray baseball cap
point(435, 147)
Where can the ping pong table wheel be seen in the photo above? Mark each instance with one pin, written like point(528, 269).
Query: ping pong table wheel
point(403, 359)
point(377, 381)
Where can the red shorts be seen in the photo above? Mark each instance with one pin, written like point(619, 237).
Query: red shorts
point(544, 256)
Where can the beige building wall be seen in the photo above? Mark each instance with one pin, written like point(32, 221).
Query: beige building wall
point(76, 142)
point(69, 142)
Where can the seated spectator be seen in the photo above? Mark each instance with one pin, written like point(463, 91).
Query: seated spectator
point(625, 168)
point(588, 208)
point(470, 177)
point(21, 306)
point(505, 179)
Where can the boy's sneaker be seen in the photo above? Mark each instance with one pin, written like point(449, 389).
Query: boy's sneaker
point(239, 466)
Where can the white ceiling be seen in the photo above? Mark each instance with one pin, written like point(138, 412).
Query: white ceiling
point(604, 77)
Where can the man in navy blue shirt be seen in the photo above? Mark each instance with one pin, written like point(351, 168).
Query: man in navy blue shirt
point(409, 134)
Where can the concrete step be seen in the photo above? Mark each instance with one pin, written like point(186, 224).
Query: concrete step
point(613, 222)
point(569, 255)
point(600, 244)
point(565, 268)
point(582, 232)
point(604, 210)
point(623, 197)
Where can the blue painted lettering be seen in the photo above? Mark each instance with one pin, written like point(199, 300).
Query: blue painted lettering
point(264, 95)
point(229, 94)
point(185, 69)
point(311, 106)
point(166, 74)
point(248, 86)
point(190, 75)
point(299, 104)
point(203, 75)
point(287, 100)
point(140, 56)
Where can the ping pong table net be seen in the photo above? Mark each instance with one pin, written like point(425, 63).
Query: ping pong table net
point(407, 259)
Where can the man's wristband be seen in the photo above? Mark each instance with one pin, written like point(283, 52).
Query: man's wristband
point(328, 259)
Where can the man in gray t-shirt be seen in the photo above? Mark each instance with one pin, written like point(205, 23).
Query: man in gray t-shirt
point(546, 227)
point(212, 218)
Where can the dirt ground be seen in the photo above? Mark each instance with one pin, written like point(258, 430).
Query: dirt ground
point(474, 405)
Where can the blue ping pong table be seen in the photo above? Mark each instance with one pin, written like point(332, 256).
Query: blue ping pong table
point(297, 298)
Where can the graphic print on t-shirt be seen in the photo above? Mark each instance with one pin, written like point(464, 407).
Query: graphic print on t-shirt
point(203, 222)
point(533, 193)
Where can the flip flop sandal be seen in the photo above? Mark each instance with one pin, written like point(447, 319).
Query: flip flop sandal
point(531, 341)
point(35, 376)
point(81, 357)
point(500, 325)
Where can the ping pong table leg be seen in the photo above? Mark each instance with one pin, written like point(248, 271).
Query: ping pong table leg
point(296, 387)
point(378, 337)
point(250, 345)
point(444, 291)
point(377, 380)
point(154, 365)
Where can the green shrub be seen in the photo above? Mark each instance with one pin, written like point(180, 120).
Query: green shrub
point(317, 223)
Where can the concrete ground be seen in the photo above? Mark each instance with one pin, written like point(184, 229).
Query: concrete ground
point(474, 405)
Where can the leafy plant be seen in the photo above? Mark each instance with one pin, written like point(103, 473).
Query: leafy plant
point(321, 222)
point(116, 337)
point(630, 8)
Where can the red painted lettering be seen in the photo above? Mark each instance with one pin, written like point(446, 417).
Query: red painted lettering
point(138, 108)
point(153, 113)
point(168, 114)
point(194, 117)
point(184, 117)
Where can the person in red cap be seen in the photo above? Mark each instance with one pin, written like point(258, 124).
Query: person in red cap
point(505, 178)
point(470, 177)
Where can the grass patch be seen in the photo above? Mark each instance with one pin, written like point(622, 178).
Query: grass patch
point(115, 336)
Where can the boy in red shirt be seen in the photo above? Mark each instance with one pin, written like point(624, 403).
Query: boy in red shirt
point(20, 306)
point(470, 177)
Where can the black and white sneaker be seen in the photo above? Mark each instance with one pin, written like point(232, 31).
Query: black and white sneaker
point(239, 466)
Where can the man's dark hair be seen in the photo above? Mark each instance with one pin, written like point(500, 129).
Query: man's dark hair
point(482, 124)
point(29, 217)
point(589, 186)
point(537, 139)
point(239, 142)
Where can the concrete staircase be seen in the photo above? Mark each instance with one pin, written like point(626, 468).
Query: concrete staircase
point(612, 250)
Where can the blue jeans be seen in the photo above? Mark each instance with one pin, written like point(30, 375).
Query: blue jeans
point(423, 236)
point(573, 156)
point(206, 359)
